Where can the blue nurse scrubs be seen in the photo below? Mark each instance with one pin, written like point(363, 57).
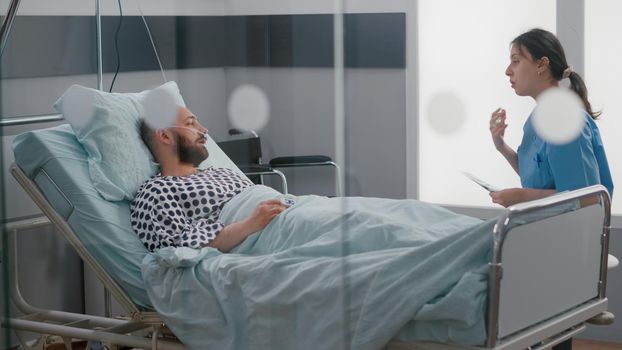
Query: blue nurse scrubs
point(579, 163)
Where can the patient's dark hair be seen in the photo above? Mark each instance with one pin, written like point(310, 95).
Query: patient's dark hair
point(541, 43)
point(147, 134)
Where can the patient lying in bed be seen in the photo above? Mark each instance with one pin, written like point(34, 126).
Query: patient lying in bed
point(180, 207)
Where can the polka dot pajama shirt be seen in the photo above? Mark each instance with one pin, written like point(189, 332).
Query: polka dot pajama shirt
point(183, 211)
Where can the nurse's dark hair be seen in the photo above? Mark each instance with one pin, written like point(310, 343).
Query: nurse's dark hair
point(541, 43)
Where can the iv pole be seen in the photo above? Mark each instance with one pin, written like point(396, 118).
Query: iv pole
point(5, 30)
point(7, 23)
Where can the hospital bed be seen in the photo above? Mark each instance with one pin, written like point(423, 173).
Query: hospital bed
point(547, 274)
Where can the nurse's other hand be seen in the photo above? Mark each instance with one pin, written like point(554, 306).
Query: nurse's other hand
point(507, 197)
point(497, 127)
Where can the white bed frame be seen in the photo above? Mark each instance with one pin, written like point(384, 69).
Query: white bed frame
point(547, 278)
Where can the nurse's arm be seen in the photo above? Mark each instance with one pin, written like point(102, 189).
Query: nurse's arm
point(510, 155)
point(511, 196)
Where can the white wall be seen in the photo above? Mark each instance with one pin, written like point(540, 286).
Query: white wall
point(462, 59)
point(603, 72)
point(602, 75)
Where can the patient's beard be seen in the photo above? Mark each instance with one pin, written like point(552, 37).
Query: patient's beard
point(191, 152)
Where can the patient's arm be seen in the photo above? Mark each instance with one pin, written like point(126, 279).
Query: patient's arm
point(235, 233)
point(163, 222)
point(512, 196)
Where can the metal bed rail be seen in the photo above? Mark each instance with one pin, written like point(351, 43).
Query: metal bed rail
point(73, 325)
point(31, 119)
point(31, 188)
point(70, 325)
point(553, 330)
point(500, 233)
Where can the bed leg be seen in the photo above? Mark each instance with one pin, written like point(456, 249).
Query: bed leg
point(67, 342)
point(565, 345)
point(154, 338)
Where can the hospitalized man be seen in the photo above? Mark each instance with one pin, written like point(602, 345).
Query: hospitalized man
point(180, 207)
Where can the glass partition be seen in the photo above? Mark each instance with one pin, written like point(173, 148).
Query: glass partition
point(5, 332)
point(4, 283)
point(321, 84)
point(382, 102)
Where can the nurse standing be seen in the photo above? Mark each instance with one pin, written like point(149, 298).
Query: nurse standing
point(537, 63)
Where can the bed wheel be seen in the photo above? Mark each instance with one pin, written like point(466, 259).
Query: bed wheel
point(603, 319)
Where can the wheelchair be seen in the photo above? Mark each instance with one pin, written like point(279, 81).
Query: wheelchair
point(245, 151)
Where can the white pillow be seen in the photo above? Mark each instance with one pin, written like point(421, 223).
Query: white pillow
point(107, 126)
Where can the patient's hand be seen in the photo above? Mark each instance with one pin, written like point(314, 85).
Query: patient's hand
point(233, 234)
point(263, 213)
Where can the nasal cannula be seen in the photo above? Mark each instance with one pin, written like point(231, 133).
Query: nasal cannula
point(204, 134)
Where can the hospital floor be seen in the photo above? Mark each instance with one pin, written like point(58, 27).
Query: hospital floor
point(578, 344)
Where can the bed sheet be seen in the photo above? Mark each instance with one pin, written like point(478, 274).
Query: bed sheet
point(329, 273)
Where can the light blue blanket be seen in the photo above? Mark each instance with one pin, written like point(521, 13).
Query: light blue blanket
point(329, 273)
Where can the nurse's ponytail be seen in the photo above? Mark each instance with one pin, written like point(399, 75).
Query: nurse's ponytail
point(578, 85)
point(541, 43)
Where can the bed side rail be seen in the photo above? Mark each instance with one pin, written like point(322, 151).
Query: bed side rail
point(143, 329)
point(33, 191)
point(549, 258)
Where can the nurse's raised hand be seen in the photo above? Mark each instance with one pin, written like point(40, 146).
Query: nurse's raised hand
point(497, 126)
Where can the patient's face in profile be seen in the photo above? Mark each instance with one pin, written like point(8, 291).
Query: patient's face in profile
point(189, 134)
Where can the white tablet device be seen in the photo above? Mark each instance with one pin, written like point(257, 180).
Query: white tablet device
point(484, 184)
